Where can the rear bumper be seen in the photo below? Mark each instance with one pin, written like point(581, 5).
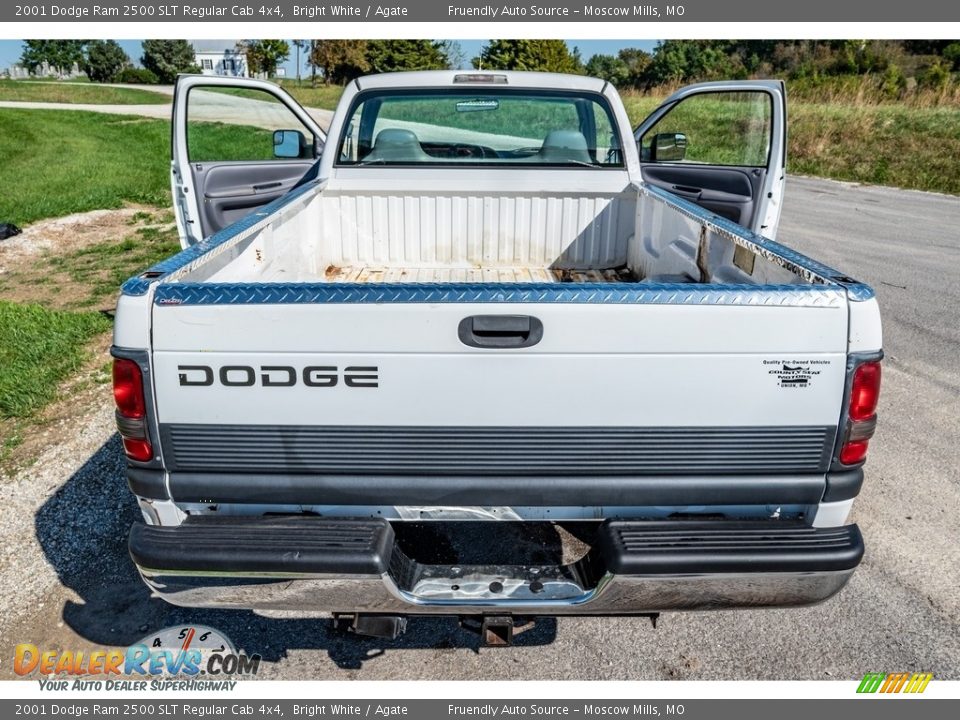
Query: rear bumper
point(344, 566)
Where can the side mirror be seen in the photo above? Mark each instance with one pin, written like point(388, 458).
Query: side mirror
point(668, 147)
point(289, 144)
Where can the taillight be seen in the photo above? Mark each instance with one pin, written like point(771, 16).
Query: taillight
point(861, 413)
point(131, 409)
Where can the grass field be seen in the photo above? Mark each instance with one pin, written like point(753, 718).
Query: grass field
point(28, 91)
point(322, 96)
point(39, 348)
point(69, 162)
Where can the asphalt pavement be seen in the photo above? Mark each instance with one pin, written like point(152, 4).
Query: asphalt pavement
point(69, 584)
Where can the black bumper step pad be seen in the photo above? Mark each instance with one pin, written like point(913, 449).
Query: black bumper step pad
point(315, 545)
point(282, 544)
point(685, 547)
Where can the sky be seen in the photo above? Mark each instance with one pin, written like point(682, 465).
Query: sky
point(10, 49)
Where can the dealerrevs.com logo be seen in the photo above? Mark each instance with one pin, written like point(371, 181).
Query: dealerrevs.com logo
point(192, 657)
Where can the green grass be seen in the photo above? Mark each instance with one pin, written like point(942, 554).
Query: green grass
point(209, 142)
point(906, 147)
point(322, 96)
point(68, 162)
point(77, 79)
point(39, 349)
point(73, 92)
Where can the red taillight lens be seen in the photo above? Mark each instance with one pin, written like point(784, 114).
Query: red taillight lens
point(865, 391)
point(131, 409)
point(138, 449)
point(854, 452)
point(861, 413)
point(128, 388)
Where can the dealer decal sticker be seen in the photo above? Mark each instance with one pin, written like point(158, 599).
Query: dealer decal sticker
point(795, 374)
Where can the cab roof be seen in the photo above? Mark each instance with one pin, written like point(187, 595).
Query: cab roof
point(480, 78)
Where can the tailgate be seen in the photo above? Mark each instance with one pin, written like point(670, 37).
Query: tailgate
point(695, 385)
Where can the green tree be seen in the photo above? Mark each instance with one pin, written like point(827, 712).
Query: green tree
point(264, 56)
point(104, 60)
point(58, 54)
point(168, 58)
point(893, 82)
point(935, 76)
point(339, 60)
point(397, 55)
point(638, 63)
point(609, 67)
point(542, 55)
point(677, 61)
point(951, 53)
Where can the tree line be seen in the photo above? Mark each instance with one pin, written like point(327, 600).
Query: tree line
point(926, 62)
point(671, 62)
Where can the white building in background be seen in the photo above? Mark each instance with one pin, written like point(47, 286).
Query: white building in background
point(228, 62)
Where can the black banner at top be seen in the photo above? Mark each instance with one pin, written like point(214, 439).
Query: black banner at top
point(403, 11)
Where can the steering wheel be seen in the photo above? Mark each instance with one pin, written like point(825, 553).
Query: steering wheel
point(465, 150)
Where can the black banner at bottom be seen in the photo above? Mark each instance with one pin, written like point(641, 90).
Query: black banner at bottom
point(880, 708)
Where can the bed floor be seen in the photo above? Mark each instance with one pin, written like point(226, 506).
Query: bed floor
point(373, 274)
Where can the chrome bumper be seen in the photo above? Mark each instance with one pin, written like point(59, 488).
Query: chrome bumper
point(615, 595)
point(355, 566)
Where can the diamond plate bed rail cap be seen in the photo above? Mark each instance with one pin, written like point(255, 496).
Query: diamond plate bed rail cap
point(581, 293)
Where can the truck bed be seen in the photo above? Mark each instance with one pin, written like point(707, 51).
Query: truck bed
point(416, 236)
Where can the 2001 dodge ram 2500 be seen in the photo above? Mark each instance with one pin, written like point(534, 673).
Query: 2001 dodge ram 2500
point(482, 303)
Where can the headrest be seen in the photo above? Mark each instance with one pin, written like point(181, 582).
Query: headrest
point(395, 138)
point(565, 140)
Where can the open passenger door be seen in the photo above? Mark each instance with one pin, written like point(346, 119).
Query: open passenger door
point(721, 145)
point(238, 144)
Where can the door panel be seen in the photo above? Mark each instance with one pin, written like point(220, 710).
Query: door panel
point(722, 146)
point(232, 190)
point(227, 160)
point(728, 192)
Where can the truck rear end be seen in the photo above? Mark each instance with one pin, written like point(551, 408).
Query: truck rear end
point(474, 390)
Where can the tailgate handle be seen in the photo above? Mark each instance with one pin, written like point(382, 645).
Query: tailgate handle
point(500, 331)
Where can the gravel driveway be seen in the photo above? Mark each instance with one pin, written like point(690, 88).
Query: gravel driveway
point(68, 582)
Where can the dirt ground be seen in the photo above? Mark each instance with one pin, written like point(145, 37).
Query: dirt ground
point(63, 235)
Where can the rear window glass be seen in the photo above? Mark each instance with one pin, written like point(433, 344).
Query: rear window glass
point(483, 128)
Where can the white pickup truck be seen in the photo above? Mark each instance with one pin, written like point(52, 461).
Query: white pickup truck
point(481, 301)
